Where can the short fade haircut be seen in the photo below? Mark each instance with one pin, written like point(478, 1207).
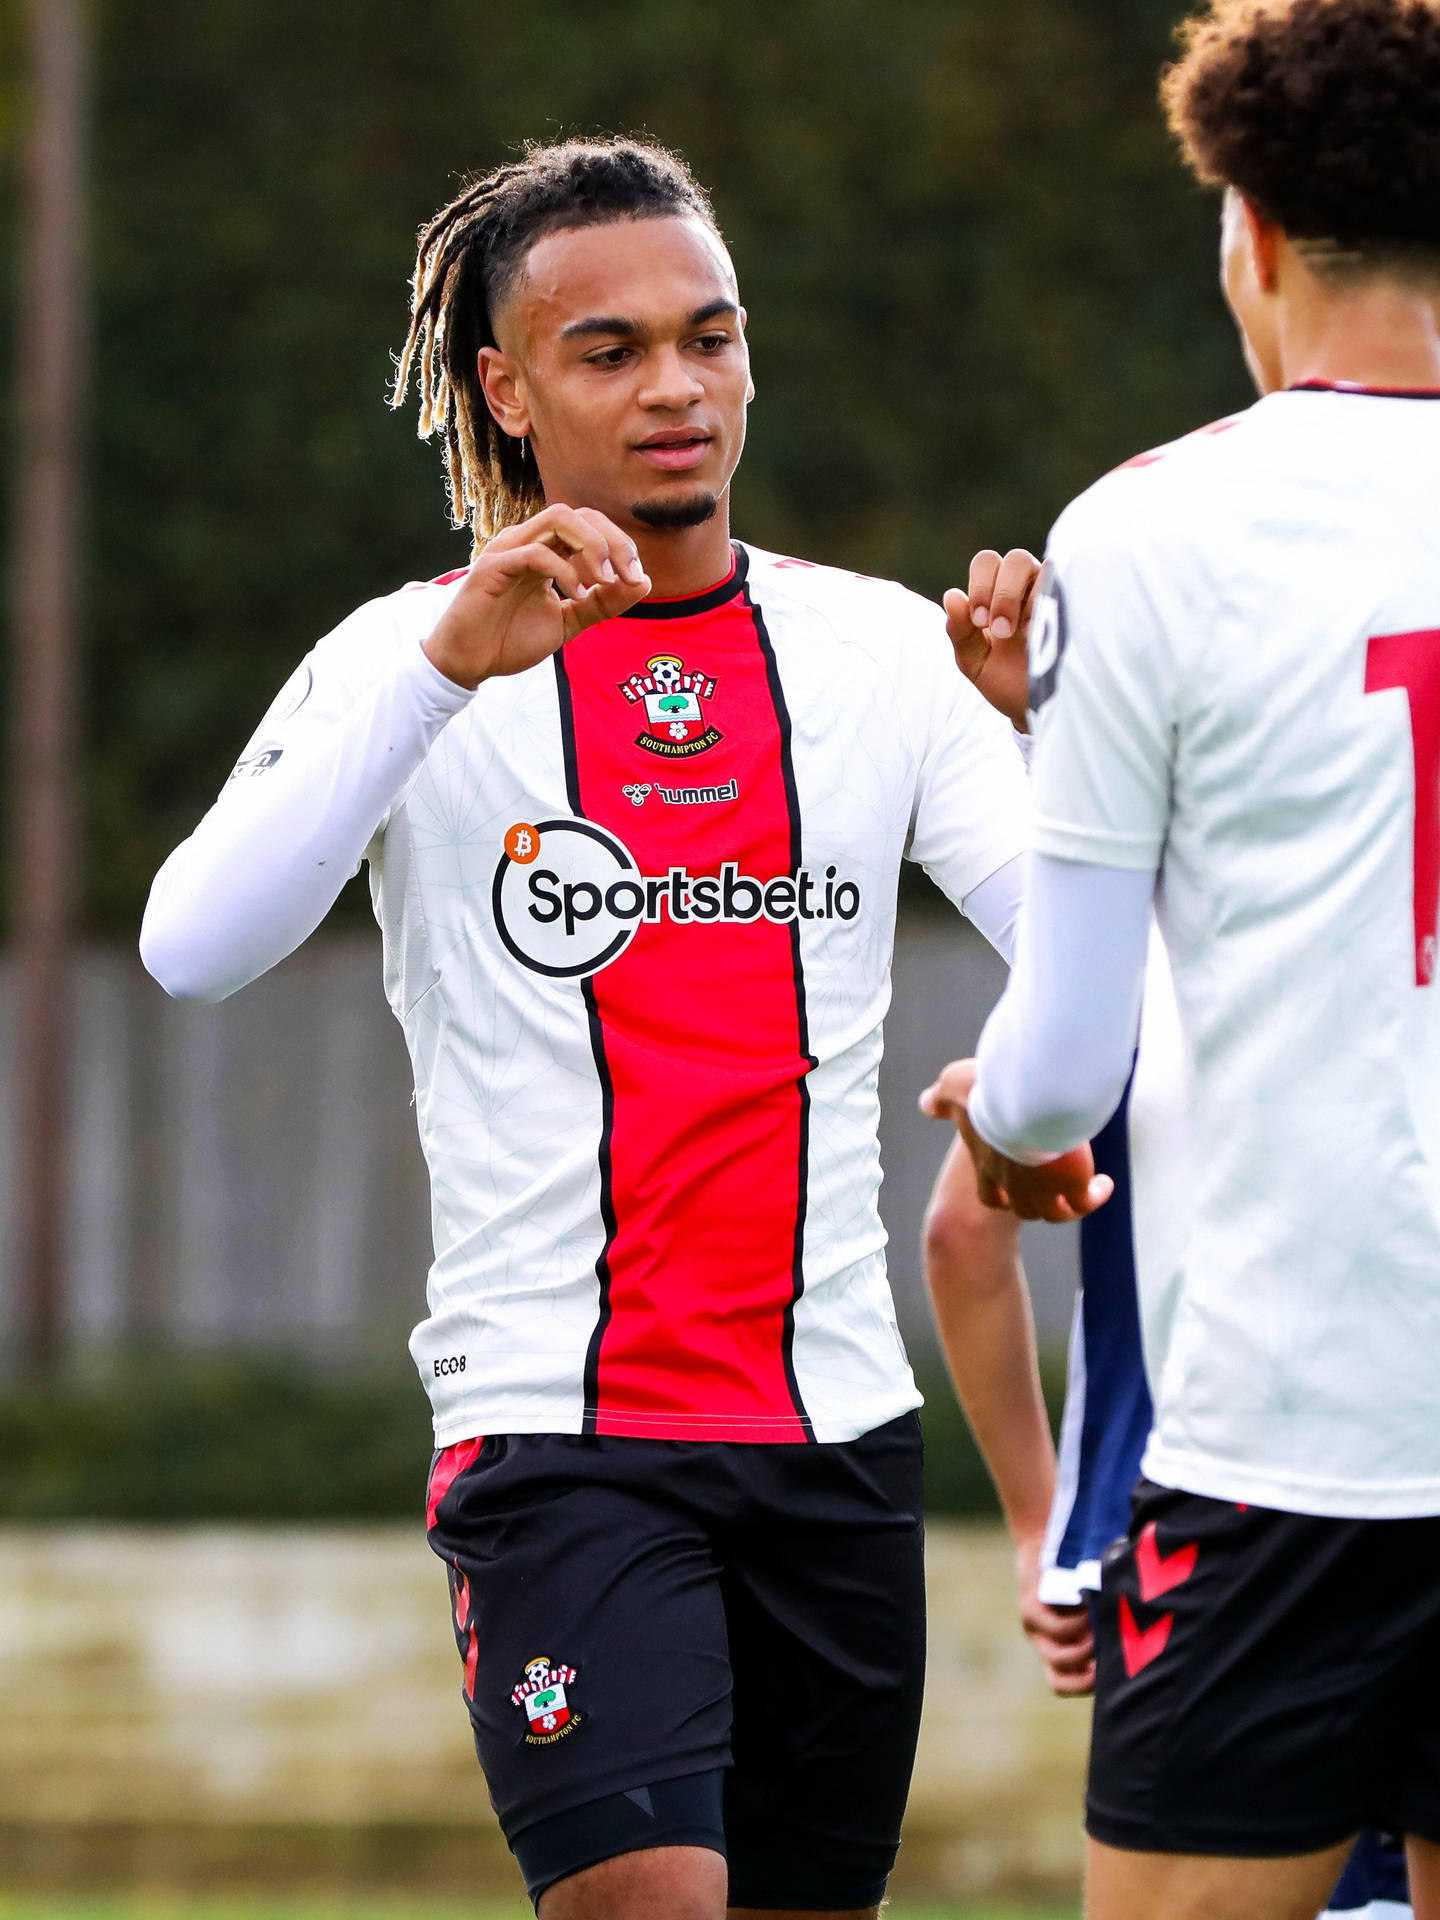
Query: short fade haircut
point(469, 258)
point(1325, 114)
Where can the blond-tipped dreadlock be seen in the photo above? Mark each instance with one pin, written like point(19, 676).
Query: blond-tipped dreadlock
point(468, 258)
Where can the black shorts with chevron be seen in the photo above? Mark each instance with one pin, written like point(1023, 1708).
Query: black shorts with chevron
point(1267, 1683)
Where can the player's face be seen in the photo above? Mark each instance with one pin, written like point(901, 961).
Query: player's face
point(623, 358)
point(1251, 301)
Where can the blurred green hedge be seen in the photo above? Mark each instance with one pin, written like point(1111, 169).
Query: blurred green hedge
point(264, 1441)
point(976, 277)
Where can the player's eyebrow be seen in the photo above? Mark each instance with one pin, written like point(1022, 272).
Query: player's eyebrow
point(613, 323)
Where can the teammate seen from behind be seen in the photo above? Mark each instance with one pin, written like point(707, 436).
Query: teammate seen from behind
point(975, 1277)
point(1236, 681)
point(633, 800)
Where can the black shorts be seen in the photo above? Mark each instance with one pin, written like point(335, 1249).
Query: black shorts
point(635, 1612)
point(1267, 1683)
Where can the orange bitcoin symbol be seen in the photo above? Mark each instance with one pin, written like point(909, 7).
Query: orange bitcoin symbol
point(522, 843)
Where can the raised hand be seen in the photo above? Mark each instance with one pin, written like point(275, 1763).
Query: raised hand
point(1059, 1190)
point(534, 587)
point(989, 625)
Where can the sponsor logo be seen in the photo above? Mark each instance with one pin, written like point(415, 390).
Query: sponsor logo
point(699, 796)
point(673, 698)
point(574, 898)
point(449, 1363)
point(543, 1698)
point(256, 763)
point(1047, 637)
point(522, 844)
point(638, 792)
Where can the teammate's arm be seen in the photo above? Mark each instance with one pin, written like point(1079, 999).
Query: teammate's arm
point(267, 862)
point(982, 1308)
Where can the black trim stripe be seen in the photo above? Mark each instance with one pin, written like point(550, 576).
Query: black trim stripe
point(707, 602)
point(792, 802)
point(591, 1412)
point(1368, 393)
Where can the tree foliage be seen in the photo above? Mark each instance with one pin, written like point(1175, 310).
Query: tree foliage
point(975, 274)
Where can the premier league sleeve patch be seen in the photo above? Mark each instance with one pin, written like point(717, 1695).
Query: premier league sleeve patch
point(544, 1699)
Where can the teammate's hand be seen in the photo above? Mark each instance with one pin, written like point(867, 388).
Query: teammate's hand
point(534, 587)
point(1061, 1636)
point(1060, 1190)
point(989, 626)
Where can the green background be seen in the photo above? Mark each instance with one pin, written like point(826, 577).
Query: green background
point(976, 275)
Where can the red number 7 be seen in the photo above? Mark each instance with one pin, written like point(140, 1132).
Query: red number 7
point(1412, 661)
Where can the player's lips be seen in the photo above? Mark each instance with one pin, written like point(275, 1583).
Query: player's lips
point(675, 452)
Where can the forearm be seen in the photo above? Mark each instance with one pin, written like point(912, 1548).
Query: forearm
point(265, 865)
point(987, 1331)
point(1056, 1052)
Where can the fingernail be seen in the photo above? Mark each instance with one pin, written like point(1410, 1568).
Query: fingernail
point(980, 616)
point(607, 572)
point(633, 569)
point(582, 592)
point(1001, 628)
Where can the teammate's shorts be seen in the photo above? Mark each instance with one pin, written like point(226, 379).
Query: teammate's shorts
point(637, 1612)
point(1375, 1881)
point(1267, 1683)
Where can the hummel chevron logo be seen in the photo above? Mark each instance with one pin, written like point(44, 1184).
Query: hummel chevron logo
point(1139, 1647)
point(1160, 1572)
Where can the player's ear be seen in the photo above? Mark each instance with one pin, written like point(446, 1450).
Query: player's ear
point(503, 388)
point(750, 383)
point(1264, 238)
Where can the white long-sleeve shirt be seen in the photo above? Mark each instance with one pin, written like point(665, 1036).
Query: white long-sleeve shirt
point(1235, 666)
point(638, 910)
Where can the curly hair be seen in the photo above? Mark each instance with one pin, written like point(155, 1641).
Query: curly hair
point(469, 257)
point(1326, 115)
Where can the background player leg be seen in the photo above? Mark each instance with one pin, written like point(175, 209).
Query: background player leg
point(1424, 1860)
point(1182, 1886)
point(663, 1883)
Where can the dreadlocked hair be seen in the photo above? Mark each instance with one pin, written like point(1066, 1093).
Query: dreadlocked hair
point(468, 259)
point(1326, 115)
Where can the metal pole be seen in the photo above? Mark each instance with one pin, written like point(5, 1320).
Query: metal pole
point(50, 378)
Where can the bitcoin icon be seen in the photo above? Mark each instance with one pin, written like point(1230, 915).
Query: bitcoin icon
point(522, 843)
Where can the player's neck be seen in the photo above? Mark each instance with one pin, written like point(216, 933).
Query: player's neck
point(1379, 334)
point(685, 560)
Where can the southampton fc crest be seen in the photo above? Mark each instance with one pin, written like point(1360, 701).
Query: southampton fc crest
point(548, 1713)
point(673, 697)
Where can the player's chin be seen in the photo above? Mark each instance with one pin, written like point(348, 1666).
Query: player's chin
point(675, 508)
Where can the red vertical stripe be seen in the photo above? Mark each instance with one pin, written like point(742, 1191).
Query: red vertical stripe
point(1412, 661)
point(701, 1032)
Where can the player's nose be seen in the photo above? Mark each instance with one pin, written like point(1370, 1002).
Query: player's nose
point(671, 382)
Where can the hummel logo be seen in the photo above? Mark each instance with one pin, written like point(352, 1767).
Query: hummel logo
point(1140, 1648)
point(1159, 1574)
point(637, 793)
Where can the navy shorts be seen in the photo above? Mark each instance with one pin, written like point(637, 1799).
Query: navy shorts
point(631, 1613)
point(1267, 1683)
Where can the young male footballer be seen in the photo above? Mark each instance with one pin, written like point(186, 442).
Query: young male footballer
point(634, 799)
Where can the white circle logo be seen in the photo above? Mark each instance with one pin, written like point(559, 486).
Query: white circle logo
point(567, 897)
